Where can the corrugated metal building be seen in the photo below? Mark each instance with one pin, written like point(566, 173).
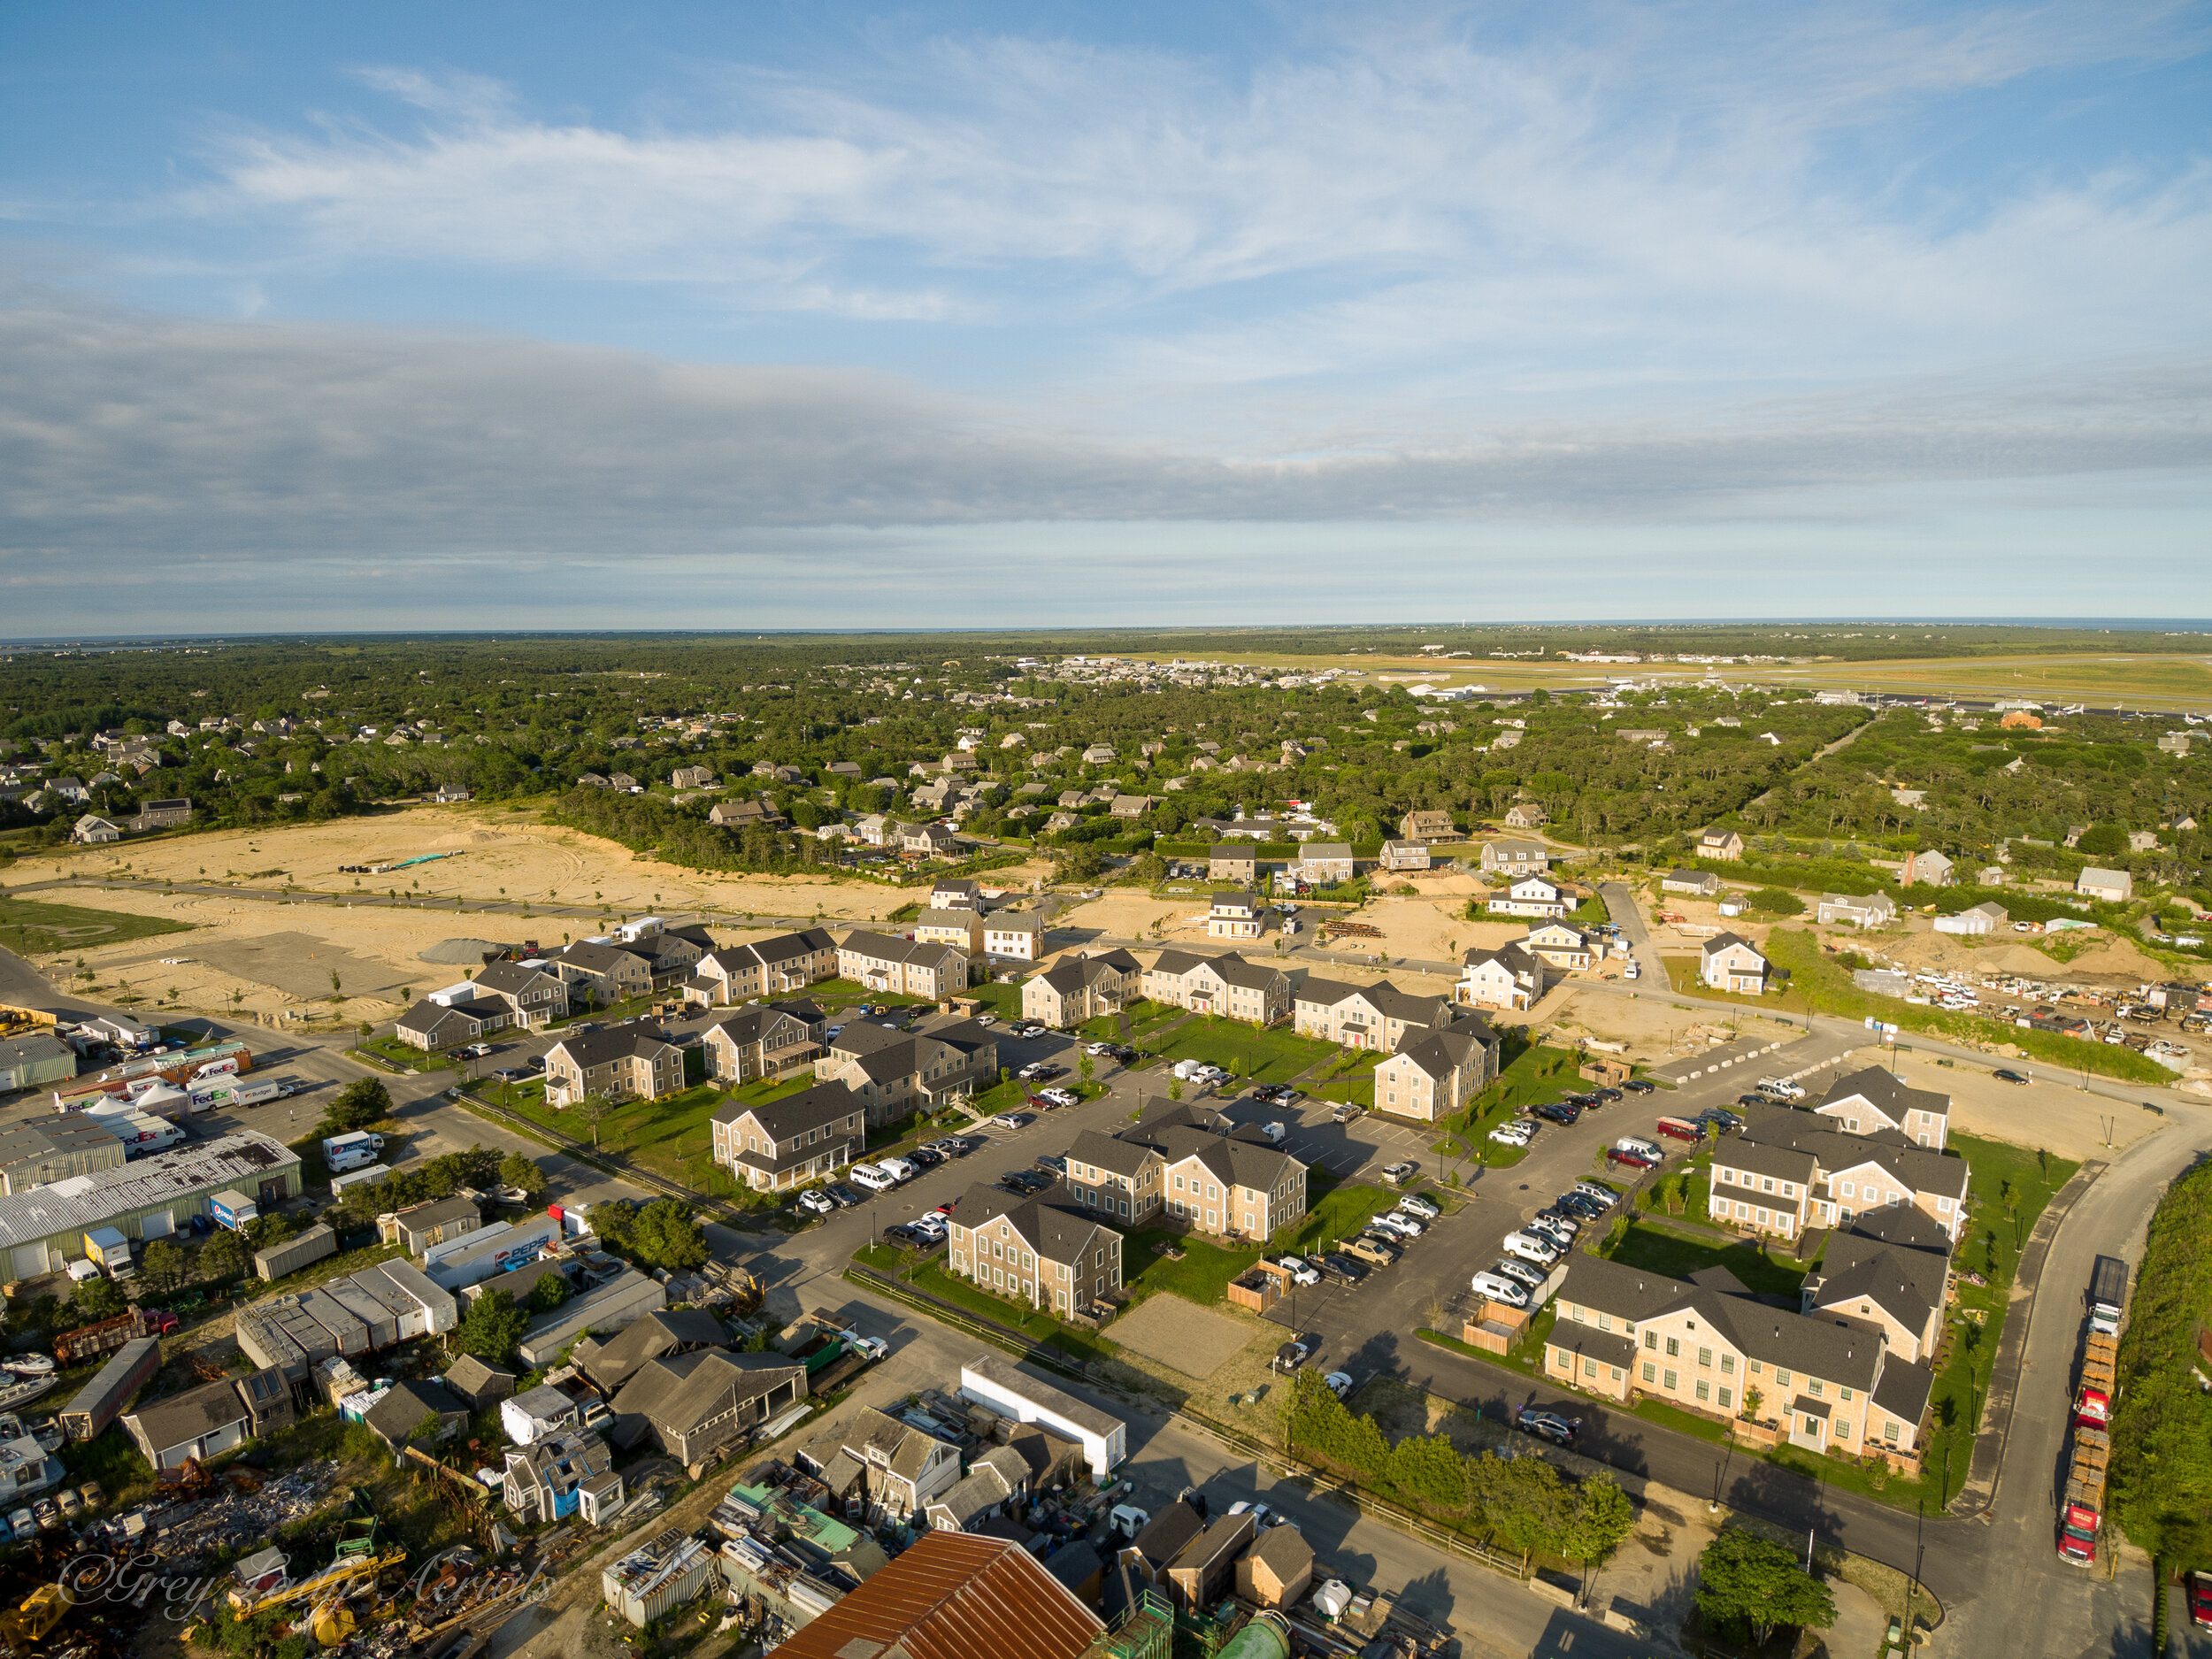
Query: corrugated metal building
point(43, 1230)
point(379, 1306)
point(666, 1573)
point(28, 1061)
point(609, 1307)
point(53, 1149)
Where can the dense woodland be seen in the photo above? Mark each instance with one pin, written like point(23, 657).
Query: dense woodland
point(310, 729)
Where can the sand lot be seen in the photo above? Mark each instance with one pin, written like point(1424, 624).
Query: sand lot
point(1181, 1335)
point(276, 955)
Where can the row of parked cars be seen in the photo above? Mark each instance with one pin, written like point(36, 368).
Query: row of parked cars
point(1530, 1252)
point(886, 1175)
point(1379, 1244)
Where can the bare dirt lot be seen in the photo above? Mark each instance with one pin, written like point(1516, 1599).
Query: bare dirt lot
point(1181, 1335)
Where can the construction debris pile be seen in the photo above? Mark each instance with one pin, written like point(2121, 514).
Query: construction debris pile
point(201, 1515)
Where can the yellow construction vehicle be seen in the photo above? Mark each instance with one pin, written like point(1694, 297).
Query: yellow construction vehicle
point(36, 1616)
point(319, 1588)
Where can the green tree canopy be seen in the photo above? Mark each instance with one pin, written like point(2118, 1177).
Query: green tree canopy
point(1776, 902)
point(361, 1102)
point(492, 1328)
point(666, 1233)
point(1744, 1581)
point(96, 1299)
point(226, 1256)
point(164, 1262)
point(515, 1170)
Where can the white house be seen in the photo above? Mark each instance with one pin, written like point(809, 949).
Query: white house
point(1006, 1388)
point(1729, 962)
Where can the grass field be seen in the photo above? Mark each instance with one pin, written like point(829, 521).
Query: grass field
point(1263, 1057)
point(1134, 1024)
point(1661, 1250)
point(1203, 1274)
point(672, 1136)
point(30, 928)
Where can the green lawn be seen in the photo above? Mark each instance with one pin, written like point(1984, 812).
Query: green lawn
point(1037, 1327)
point(1140, 1019)
point(1003, 1000)
point(670, 1136)
point(1660, 1250)
point(392, 1051)
point(1273, 1055)
point(1203, 1276)
point(1350, 1092)
point(833, 993)
point(29, 927)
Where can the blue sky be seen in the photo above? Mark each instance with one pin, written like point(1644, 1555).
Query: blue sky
point(801, 316)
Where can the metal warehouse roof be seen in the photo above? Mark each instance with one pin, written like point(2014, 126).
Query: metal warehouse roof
point(89, 1201)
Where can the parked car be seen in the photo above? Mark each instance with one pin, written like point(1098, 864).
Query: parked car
point(1097, 1048)
point(1299, 1271)
point(1605, 1094)
point(1340, 1383)
point(873, 1176)
point(69, 1501)
point(1556, 1111)
point(1061, 1096)
point(94, 1498)
point(1373, 1251)
point(1580, 1205)
point(511, 1074)
point(1637, 1085)
point(1405, 1226)
point(2006, 1075)
point(1342, 1268)
point(844, 1196)
point(1629, 1160)
point(901, 1235)
point(49, 1517)
point(1345, 1111)
point(2201, 1600)
point(926, 1157)
point(1752, 1101)
point(1400, 1172)
point(898, 1169)
point(1498, 1289)
point(1414, 1204)
point(536, 1063)
point(1551, 1230)
point(1013, 1120)
point(1514, 1134)
point(1054, 1162)
point(1530, 1248)
point(815, 1201)
point(1600, 1191)
point(1547, 1425)
point(1519, 1272)
point(23, 1524)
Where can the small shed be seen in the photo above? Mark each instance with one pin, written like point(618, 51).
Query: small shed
point(479, 1382)
point(1275, 1570)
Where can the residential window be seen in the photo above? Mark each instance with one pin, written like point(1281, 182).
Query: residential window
point(1781, 1378)
point(1813, 1385)
point(1843, 1393)
point(1705, 1358)
point(1650, 1372)
point(1889, 1432)
point(1727, 1399)
point(1589, 1368)
point(1673, 1382)
point(1727, 1364)
point(1704, 1389)
point(1651, 1339)
point(1767, 1186)
point(1843, 1432)
point(1755, 1368)
point(1674, 1347)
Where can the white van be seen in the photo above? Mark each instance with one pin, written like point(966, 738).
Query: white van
point(869, 1176)
point(1498, 1289)
point(1530, 1248)
point(354, 1151)
point(1641, 1147)
point(898, 1169)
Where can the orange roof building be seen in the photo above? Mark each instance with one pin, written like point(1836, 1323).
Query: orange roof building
point(953, 1596)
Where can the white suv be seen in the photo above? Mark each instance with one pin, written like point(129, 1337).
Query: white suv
point(1418, 1207)
point(872, 1177)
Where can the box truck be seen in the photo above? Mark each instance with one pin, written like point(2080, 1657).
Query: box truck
point(342, 1153)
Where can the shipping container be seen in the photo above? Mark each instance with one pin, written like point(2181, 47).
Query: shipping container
point(314, 1339)
point(350, 1336)
point(112, 1388)
point(294, 1254)
point(233, 1209)
point(441, 1311)
point(375, 1317)
point(265, 1343)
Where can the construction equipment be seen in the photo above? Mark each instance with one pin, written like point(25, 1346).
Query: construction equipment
point(34, 1617)
point(318, 1589)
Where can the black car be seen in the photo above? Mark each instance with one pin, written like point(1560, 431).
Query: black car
point(843, 1196)
point(1607, 1093)
point(1556, 1111)
point(1637, 1085)
point(2008, 1076)
point(1547, 1425)
point(1027, 1182)
point(1723, 1121)
point(536, 1063)
point(924, 1157)
point(1749, 1101)
point(901, 1235)
point(1580, 1100)
point(1342, 1269)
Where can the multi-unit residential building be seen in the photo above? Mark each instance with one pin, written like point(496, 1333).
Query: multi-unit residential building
point(904, 967)
point(1235, 916)
point(1624, 1332)
point(1872, 1099)
point(1177, 1166)
point(1377, 1015)
point(1515, 858)
point(895, 1072)
point(460, 1013)
point(1891, 1277)
point(928, 840)
point(562, 1474)
point(762, 1040)
point(957, 893)
point(1507, 977)
point(1047, 1251)
point(603, 973)
point(1434, 1073)
point(1557, 944)
point(1789, 1171)
point(538, 994)
point(775, 967)
point(1080, 988)
point(1729, 962)
point(1117, 1177)
point(961, 929)
point(627, 1062)
point(1014, 935)
point(1532, 896)
point(1219, 985)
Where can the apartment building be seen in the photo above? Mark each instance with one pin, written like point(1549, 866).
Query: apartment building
point(1624, 1333)
point(1376, 1016)
point(1235, 916)
point(789, 1142)
point(904, 967)
point(1226, 984)
point(1870, 1276)
point(762, 1040)
point(1515, 858)
point(775, 967)
point(1873, 1099)
point(1790, 1170)
point(1080, 988)
point(1507, 978)
point(897, 1073)
point(630, 1062)
point(1047, 1251)
point(1435, 1073)
point(1530, 895)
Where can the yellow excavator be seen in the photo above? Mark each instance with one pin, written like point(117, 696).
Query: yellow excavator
point(34, 1617)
